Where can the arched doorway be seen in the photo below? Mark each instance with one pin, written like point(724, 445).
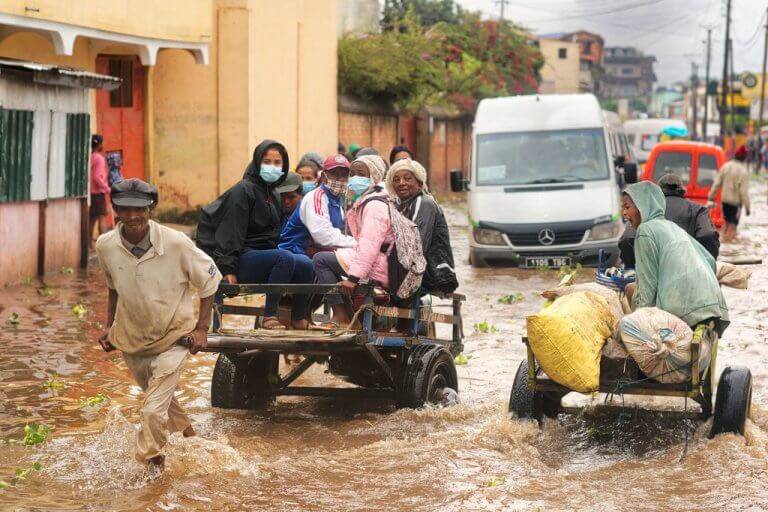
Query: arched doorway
point(120, 113)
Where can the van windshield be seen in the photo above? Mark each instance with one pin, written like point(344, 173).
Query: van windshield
point(527, 158)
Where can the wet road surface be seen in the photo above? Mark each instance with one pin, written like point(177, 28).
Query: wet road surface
point(322, 454)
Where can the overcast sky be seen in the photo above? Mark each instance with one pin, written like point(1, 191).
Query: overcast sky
point(672, 30)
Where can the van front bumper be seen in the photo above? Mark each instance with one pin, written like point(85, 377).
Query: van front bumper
point(588, 256)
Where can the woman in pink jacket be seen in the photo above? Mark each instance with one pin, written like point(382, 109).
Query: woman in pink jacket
point(369, 224)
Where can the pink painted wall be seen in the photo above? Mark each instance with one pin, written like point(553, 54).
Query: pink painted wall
point(62, 233)
point(19, 233)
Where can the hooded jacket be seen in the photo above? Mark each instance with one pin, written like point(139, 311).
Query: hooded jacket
point(674, 272)
point(247, 216)
point(691, 217)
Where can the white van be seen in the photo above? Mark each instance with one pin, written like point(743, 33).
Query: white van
point(643, 134)
point(544, 187)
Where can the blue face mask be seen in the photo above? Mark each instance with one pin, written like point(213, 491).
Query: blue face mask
point(359, 184)
point(308, 186)
point(270, 173)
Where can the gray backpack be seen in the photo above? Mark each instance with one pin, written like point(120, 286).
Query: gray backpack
point(405, 259)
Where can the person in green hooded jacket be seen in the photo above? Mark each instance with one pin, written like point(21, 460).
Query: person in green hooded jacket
point(674, 272)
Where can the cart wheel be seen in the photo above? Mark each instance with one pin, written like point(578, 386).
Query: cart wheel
point(528, 404)
point(426, 377)
point(734, 400)
point(244, 383)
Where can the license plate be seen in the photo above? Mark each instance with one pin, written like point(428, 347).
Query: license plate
point(548, 261)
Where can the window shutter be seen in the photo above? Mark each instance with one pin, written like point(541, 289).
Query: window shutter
point(77, 155)
point(15, 154)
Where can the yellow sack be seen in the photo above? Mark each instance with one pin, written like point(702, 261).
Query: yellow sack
point(567, 338)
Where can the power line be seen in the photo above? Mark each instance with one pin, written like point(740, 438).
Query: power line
point(625, 8)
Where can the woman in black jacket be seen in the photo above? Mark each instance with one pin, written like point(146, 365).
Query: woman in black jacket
point(240, 230)
point(406, 182)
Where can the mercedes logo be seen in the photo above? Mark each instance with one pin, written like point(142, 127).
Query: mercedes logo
point(546, 237)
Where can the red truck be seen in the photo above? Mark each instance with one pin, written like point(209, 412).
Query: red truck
point(696, 163)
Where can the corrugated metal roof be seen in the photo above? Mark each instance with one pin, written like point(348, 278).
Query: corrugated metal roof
point(55, 75)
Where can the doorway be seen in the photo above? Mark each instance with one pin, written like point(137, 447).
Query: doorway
point(120, 113)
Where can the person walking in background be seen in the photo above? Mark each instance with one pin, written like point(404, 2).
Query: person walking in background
point(733, 179)
point(97, 213)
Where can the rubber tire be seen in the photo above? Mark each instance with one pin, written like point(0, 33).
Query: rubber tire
point(477, 261)
point(244, 383)
point(733, 402)
point(528, 404)
point(427, 364)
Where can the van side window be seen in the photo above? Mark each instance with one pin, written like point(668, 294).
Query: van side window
point(672, 162)
point(707, 170)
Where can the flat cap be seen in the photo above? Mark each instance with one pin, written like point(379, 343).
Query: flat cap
point(134, 193)
point(292, 183)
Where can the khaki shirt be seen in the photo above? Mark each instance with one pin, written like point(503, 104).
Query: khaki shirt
point(154, 306)
point(733, 178)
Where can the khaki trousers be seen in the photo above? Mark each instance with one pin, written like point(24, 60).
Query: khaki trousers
point(158, 375)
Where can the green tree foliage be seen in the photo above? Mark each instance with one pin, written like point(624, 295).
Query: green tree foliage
point(427, 12)
point(448, 63)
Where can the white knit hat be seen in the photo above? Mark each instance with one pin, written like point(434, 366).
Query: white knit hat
point(418, 171)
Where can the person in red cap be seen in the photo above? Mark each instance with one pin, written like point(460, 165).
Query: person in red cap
point(733, 179)
point(318, 223)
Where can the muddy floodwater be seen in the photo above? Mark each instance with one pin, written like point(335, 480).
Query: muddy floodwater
point(331, 454)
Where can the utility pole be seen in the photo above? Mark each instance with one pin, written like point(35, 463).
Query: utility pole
point(732, 94)
point(762, 100)
point(724, 87)
point(694, 99)
point(502, 5)
point(706, 85)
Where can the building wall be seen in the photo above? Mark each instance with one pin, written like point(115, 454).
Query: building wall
point(184, 20)
point(378, 131)
point(272, 74)
point(449, 149)
point(20, 223)
point(559, 75)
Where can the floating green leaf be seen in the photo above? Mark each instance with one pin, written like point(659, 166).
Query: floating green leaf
point(568, 271)
point(512, 298)
point(35, 433)
point(93, 401)
point(37, 466)
point(495, 481)
point(67, 271)
point(4, 484)
point(484, 327)
point(14, 319)
point(54, 384)
point(79, 310)
point(462, 359)
point(45, 291)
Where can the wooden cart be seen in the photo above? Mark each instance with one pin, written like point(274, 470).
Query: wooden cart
point(534, 395)
point(412, 367)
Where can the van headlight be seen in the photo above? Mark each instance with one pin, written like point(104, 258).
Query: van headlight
point(606, 230)
point(488, 236)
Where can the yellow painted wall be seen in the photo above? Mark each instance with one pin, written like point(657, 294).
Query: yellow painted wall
point(181, 20)
point(559, 76)
point(207, 120)
point(272, 74)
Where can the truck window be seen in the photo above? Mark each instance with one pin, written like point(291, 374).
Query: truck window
point(707, 170)
point(557, 156)
point(672, 162)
